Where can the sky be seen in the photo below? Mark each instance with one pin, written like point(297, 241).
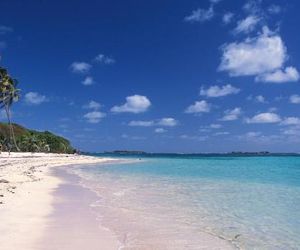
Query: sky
point(159, 76)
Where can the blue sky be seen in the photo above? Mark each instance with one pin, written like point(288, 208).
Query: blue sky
point(160, 76)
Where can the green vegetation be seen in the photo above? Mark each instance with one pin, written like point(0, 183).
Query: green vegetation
point(9, 93)
point(33, 141)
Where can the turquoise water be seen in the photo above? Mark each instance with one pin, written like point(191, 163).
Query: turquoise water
point(172, 203)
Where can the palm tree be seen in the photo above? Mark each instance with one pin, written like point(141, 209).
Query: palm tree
point(29, 143)
point(3, 143)
point(9, 93)
point(33, 143)
point(43, 146)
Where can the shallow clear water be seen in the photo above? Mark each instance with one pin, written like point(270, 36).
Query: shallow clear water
point(170, 203)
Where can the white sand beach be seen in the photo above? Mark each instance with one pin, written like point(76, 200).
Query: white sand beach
point(26, 200)
point(43, 207)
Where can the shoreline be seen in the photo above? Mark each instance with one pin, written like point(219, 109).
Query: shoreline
point(125, 239)
point(26, 194)
point(45, 206)
point(73, 224)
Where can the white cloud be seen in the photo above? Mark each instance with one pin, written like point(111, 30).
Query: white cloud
point(252, 7)
point(101, 58)
point(216, 91)
point(204, 130)
point(260, 99)
point(141, 123)
point(193, 137)
point(93, 105)
point(227, 17)
point(5, 29)
point(264, 118)
point(81, 67)
point(124, 136)
point(34, 98)
point(160, 130)
point(252, 56)
point(231, 115)
point(221, 133)
point(94, 116)
point(289, 74)
point(274, 9)
point(294, 131)
point(295, 99)
point(134, 104)
point(215, 126)
point(88, 81)
point(291, 121)
point(252, 134)
point(246, 25)
point(198, 107)
point(258, 137)
point(200, 15)
point(168, 122)
point(272, 109)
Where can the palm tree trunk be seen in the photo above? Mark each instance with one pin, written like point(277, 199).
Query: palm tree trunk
point(11, 129)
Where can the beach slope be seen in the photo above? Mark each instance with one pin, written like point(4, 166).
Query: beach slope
point(27, 185)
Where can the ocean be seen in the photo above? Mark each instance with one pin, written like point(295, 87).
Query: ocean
point(175, 202)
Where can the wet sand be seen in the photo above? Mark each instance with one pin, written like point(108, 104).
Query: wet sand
point(73, 224)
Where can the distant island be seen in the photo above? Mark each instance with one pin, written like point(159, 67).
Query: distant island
point(126, 152)
point(233, 153)
point(28, 140)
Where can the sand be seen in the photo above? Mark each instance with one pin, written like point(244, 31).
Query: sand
point(43, 207)
point(27, 188)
